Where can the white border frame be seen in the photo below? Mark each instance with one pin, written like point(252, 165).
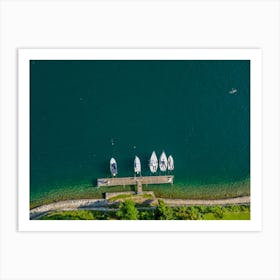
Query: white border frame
point(254, 55)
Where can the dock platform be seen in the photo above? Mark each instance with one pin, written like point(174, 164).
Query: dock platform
point(130, 181)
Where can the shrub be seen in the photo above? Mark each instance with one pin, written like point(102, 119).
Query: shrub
point(163, 212)
point(127, 211)
point(218, 211)
point(146, 215)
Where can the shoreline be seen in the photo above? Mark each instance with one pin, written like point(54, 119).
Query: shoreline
point(102, 204)
point(176, 191)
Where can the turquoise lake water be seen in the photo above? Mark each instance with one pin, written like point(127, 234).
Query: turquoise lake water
point(84, 112)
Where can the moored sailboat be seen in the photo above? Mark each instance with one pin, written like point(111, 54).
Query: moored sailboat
point(163, 162)
point(153, 163)
point(113, 167)
point(137, 165)
point(170, 163)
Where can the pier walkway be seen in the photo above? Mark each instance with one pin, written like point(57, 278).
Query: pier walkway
point(139, 181)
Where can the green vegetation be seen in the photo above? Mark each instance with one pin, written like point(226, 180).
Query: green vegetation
point(229, 216)
point(127, 210)
point(79, 215)
point(163, 212)
point(120, 196)
point(70, 215)
point(230, 212)
point(130, 196)
point(188, 213)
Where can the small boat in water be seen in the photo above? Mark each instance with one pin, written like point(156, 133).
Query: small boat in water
point(170, 163)
point(153, 163)
point(233, 91)
point(137, 165)
point(163, 162)
point(113, 167)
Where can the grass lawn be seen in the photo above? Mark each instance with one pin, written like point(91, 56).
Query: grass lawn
point(229, 216)
point(70, 215)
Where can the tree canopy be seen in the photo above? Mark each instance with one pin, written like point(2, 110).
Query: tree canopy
point(127, 211)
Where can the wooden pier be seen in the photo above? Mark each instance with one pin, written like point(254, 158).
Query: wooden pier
point(139, 181)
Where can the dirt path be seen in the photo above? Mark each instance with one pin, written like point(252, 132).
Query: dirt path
point(77, 204)
point(236, 200)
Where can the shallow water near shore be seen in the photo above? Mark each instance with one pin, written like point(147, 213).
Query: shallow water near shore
point(85, 112)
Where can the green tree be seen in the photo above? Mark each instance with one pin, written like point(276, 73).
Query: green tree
point(194, 213)
point(127, 211)
point(181, 213)
point(163, 212)
point(146, 215)
point(218, 211)
point(189, 213)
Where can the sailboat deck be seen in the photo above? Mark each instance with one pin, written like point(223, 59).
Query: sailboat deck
point(129, 181)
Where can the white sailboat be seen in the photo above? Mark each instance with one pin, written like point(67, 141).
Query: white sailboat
point(113, 167)
point(137, 165)
point(163, 162)
point(153, 163)
point(170, 163)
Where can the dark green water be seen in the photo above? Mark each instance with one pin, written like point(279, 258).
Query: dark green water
point(79, 108)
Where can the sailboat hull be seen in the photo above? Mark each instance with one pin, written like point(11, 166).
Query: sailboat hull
point(137, 165)
point(113, 167)
point(170, 163)
point(163, 162)
point(153, 164)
